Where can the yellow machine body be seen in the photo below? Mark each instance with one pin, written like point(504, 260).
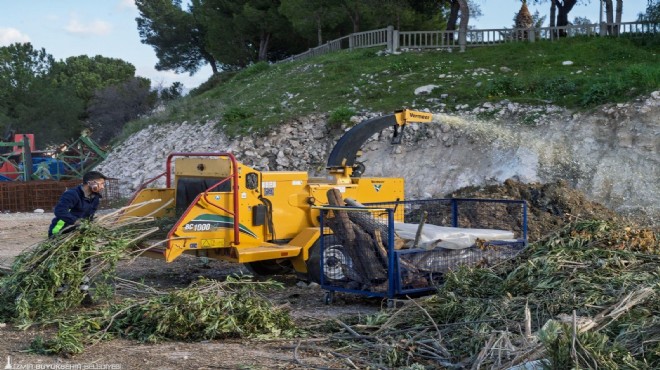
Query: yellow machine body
point(227, 210)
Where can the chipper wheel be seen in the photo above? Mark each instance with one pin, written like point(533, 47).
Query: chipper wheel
point(335, 260)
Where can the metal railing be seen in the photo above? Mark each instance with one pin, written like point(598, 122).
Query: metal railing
point(395, 40)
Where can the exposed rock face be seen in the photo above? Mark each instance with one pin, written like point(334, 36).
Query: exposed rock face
point(610, 154)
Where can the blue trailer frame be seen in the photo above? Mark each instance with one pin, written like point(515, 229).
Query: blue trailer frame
point(462, 213)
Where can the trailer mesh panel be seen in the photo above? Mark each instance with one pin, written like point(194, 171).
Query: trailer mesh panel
point(365, 255)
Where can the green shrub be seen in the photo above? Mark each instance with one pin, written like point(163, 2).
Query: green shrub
point(340, 116)
point(234, 115)
point(603, 92)
point(638, 75)
point(557, 88)
point(502, 87)
point(210, 84)
point(253, 70)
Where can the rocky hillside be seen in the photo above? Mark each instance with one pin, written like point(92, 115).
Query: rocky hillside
point(611, 153)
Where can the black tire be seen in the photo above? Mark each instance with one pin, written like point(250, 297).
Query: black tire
point(269, 267)
point(334, 258)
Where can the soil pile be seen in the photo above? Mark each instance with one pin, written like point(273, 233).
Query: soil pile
point(551, 206)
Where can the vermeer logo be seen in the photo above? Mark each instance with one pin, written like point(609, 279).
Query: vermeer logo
point(377, 187)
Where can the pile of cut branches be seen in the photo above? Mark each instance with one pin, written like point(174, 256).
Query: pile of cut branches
point(44, 281)
point(584, 297)
point(206, 310)
point(43, 288)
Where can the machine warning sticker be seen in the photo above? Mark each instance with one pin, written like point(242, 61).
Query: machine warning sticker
point(296, 182)
point(269, 188)
point(207, 243)
point(193, 245)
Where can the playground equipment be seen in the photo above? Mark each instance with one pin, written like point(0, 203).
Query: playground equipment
point(19, 161)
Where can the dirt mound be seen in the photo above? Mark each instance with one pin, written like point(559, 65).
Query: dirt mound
point(550, 206)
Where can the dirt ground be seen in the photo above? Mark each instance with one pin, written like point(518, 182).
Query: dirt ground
point(306, 302)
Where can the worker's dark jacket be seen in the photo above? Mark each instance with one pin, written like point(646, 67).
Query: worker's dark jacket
point(72, 206)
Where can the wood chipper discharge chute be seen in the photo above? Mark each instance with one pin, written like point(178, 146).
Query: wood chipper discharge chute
point(269, 220)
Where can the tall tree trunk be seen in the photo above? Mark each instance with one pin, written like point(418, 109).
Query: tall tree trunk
point(453, 15)
point(463, 26)
point(619, 10)
point(553, 19)
point(609, 15)
point(263, 46)
point(319, 33)
point(564, 7)
point(452, 21)
point(354, 15)
point(211, 61)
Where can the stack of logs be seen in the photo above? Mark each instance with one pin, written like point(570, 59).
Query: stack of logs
point(366, 243)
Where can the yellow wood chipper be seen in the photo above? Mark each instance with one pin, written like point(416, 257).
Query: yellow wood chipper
point(268, 220)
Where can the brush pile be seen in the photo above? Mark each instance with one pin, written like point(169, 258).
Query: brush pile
point(206, 310)
point(45, 280)
point(585, 297)
point(43, 287)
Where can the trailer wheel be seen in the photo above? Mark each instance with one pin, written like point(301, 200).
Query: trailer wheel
point(269, 267)
point(335, 260)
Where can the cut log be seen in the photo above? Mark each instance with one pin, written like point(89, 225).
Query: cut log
point(366, 221)
point(357, 243)
point(372, 265)
point(342, 220)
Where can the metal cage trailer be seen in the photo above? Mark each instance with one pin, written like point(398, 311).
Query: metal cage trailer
point(404, 248)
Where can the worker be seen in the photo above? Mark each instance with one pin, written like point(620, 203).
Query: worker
point(77, 204)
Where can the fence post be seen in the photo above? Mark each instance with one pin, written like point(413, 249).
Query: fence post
point(395, 40)
point(532, 34)
point(603, 29)
point(350, 42)
point(390, 39)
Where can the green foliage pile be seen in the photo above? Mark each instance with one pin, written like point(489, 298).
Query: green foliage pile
point(45, 280)
point(32, 294)
point(589, 293)
point(206, 310)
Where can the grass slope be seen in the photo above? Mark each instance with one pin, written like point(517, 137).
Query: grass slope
point(259, 97)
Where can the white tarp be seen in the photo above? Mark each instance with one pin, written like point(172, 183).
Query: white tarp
point(433, 236)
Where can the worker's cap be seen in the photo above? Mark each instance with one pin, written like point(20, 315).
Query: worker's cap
point(93, 175)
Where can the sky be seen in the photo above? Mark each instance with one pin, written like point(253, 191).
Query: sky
point(66, 28)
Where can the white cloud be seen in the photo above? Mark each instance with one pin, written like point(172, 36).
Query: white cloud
point(126, 4)
point(96, 27)
point(10, 36)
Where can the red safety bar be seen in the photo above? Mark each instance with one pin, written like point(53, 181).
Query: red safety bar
point(233, 176)
point(144, 185)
